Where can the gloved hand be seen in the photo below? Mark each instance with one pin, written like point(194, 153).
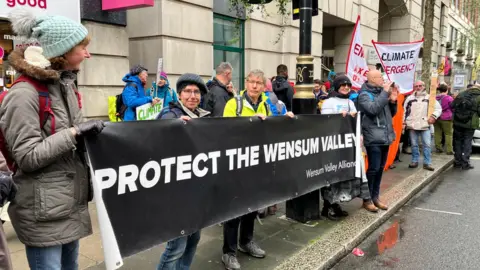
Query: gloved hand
point(8, 189)
point(90, 127)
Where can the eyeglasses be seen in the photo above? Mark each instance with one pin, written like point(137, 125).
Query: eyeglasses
point(197, 93)
point(255, 82)
point(346, 84)
point(420, 85)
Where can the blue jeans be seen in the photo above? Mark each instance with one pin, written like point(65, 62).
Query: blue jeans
point(426, 136)
point(377, 157)
point(60, 257)
point(179, 253)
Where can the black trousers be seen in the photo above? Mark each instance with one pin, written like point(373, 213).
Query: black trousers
point(462, 145)
point(230, 232)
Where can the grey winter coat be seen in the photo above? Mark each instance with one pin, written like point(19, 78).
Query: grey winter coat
point(51, 205)
point(377, 127)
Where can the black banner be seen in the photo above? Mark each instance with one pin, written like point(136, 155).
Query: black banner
point(163, 179)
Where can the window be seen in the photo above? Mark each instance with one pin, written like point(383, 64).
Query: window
point(228, 46)
point(453, 37)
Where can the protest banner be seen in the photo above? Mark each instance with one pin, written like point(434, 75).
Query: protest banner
point(356, 67)
point(399, 61)
point(149, 111)
point(148, 193)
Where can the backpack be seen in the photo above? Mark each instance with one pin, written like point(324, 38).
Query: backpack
point(354, 97)
point(465, 107)
point(239, 101)
point(120, 107)
point(44, 112)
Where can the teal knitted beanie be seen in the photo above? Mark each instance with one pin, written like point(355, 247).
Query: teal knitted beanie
point(56, 34)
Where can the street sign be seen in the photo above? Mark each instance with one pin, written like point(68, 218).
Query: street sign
point(296, 8)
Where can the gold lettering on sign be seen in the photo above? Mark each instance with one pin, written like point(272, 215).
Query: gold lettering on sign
point(311, 73)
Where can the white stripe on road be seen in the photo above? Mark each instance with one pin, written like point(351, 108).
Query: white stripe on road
point(438, 211)
point(476, 158)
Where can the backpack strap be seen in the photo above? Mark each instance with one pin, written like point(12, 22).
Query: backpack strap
point(370, 95)
point(266, 108)
point(45, 103)
point(239, 101)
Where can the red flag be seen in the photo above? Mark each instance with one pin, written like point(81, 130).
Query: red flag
point(357, 67)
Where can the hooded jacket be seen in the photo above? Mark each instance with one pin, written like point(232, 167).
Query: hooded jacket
point(284, 91)
point(377, 128)
point(216, 98)
point(51, 205)
point(164, 93)
point(133, 96)
point(416, 111)
point(474, 123)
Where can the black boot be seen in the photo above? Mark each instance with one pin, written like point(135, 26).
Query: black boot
point(339, 211)
point(328, 212)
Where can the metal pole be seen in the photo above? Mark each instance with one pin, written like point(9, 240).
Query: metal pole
point(305, 207)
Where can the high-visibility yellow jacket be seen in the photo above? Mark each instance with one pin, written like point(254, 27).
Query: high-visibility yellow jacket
point(247, 110)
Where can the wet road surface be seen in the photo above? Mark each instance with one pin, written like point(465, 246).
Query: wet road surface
point(437, 229)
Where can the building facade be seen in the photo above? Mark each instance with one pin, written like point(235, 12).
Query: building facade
point(196, 35)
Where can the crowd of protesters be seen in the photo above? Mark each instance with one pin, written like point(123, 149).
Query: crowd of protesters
point(48, 147)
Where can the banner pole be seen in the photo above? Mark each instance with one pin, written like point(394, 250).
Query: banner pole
point(358, 148)
point(433, 94)
point(111, 251)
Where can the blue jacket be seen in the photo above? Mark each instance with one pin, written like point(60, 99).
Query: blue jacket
point(165, 93)
point(133, 96)
point(277, 107)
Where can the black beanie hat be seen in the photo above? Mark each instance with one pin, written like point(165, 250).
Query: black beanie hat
point(339, 80)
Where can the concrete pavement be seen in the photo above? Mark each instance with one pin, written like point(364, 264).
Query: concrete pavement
point(438, 229)
point(289, 245)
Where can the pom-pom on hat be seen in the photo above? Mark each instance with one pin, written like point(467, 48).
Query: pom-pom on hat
point(57, 34)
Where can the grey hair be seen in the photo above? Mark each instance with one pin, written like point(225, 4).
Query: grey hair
point(223, 67)
point(419, 81)
point(257, 73)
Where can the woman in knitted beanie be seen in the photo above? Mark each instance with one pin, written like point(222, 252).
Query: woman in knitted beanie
point(43, 126)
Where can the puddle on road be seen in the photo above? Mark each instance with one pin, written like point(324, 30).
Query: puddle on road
point(386, 240)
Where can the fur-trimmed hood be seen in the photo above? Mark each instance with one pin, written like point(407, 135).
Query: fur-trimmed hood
point(17, 61)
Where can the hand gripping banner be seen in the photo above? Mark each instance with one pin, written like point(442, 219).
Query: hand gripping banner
point(399, 61)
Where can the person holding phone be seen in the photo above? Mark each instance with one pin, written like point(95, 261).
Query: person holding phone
point(377, 102)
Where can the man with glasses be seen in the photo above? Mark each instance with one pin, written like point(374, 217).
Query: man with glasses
point(253, 102)
point(220, 90)
point(250, 102)
point(418, 122)
point(377, 102)
point(179, 252)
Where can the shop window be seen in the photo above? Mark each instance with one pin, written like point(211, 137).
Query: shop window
point(6, 46)
point(228, 46)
